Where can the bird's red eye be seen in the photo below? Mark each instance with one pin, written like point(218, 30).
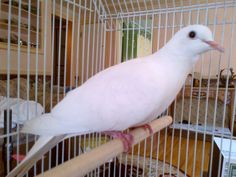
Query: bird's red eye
point(192, 34)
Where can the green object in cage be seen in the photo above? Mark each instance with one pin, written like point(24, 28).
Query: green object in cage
point(129, 42)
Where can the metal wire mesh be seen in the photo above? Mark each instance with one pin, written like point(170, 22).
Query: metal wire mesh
point(50, 47)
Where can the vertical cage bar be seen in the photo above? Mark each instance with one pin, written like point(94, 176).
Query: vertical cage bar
point(158, 134)
point(66, 58)
point(174, 110)
point(36, 67)
point(165, 137)
point(182, 104)
point(208, 86)
point(217, 89)
point(28, 70)
point(132, 56)
point(8, 79)
point(197, 116)
point(94, 36)
point(72, 52)
point(78, 48)
point(190, 107)
point(83, 50)
point(18, 78)
point(52, 72)
point(44, 63)
point(71, 67)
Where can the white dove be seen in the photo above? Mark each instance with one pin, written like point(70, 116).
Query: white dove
point(126, 95)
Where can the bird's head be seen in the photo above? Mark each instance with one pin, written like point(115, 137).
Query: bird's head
point(193, 40)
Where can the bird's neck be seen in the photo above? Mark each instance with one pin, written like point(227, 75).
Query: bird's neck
point(171, 53)
point(175, 59)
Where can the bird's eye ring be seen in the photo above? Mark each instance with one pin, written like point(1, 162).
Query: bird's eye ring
point(192, 34)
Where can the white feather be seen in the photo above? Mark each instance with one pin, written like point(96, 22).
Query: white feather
point(116, 98)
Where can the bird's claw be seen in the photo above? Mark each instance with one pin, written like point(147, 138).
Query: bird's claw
point(126, 138)
point(148, 127)
point(145, 127)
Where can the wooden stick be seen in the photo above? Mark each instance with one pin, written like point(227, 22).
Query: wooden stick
point(86, 162)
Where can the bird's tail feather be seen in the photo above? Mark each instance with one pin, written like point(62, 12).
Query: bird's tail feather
point(42, 145)
point(49, 125)
point(45, 124)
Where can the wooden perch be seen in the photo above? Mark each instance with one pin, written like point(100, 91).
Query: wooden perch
point(87, 162)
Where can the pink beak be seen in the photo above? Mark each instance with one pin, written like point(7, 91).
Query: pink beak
point(215, 45)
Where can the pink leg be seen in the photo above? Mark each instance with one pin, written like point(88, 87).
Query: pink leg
point(18, 157)
point(127, 139)
point(146, 127)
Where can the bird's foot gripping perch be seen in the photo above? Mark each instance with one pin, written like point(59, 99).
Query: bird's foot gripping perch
point(145, 127)
point(126, 138)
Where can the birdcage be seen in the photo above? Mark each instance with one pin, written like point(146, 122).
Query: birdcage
point(48, 48)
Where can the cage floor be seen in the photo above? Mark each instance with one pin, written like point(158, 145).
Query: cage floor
point(178, 149)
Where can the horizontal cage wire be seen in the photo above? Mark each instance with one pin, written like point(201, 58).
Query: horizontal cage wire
point(49, 48)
